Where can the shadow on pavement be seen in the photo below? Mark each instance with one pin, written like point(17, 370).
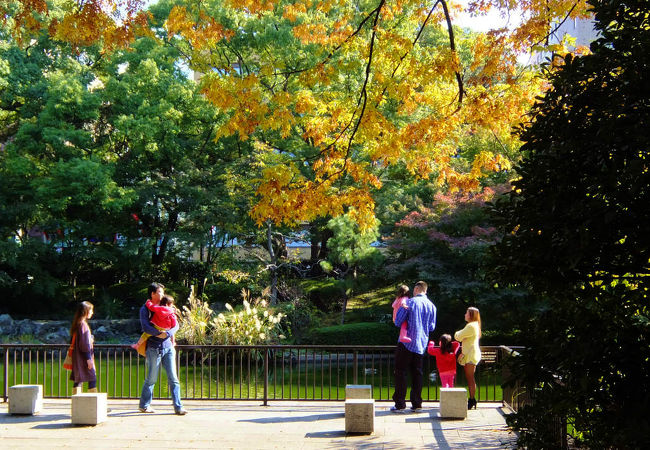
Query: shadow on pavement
point(326, 434)
point(311, 418)
point(26, 418)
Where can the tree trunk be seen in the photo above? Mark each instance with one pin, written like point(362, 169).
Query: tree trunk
point(273, 265)
point(344, 307)
point(345, 292)
point(159, 251)
point(325, 236)
point(315, 244)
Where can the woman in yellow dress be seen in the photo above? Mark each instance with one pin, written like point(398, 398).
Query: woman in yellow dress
point(471, 352)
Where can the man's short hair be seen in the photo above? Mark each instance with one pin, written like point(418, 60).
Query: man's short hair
point(153, 287)
point(422, 285)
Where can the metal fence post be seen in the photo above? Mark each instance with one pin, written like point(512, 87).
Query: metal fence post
point(355, 378)
point(266, 377)
point(6, 371)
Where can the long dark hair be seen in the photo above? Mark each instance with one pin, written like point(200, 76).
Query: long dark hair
point(82, 312)
point(445, 344)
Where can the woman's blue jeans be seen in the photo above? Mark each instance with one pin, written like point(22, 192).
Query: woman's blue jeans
point(166, 356)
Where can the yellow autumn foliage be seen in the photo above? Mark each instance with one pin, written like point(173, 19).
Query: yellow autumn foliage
point(353, 87)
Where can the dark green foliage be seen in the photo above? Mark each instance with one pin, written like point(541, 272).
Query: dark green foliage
point(325, 294)
point(223, 292)
point(29, 273)
point(580, 218)
point(300, 316)
point(113, 157)
point(355, 334)
point(447, 245)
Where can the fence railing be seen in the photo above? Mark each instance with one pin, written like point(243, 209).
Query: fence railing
point(239, 372)
point(516, 395)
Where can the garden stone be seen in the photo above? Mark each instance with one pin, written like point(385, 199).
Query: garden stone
point(360, 415)
point(25, 398)
point(453, 403)
point(89, 408)
point(358, 391)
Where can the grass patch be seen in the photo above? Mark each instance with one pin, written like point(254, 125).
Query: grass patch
point(381, 297)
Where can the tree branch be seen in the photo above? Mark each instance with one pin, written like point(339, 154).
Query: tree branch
point(452, 46)
point(338, 47)
point(545, 38)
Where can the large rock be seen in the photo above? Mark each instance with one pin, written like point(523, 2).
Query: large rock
point(118, 326)
point(61, 336)
point(102, 333)
point(6, 320)
point(26, 327)
point(57, 331)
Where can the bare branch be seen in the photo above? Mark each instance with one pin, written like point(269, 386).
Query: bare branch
point(452, 46)
point(545, 38)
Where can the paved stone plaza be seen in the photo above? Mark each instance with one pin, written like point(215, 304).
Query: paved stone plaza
point(247, 424)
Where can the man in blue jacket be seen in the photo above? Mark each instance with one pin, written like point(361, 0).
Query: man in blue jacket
point(420, 316)
point(160, 349)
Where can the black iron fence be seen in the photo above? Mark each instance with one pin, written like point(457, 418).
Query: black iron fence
point(517, 395)
point(239, 372)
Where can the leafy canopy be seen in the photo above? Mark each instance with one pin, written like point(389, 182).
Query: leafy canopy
point(331, 93)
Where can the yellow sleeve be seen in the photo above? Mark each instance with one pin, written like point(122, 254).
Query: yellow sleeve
point(465, 333)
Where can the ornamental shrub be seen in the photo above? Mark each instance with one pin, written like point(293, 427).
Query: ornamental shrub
point(253, 324)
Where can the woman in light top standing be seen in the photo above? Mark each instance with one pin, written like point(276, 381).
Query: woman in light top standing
point(471, 352)
point(83, 360)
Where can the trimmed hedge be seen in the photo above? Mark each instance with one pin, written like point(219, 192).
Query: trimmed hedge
point(367, 333)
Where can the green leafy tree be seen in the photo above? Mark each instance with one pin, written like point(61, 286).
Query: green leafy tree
point(162, 140)
point(576, 224)
point(114, 149)
point(349, 249)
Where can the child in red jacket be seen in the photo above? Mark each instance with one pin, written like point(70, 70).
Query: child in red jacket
point(400, 302)
point(445, 359)
point(164, 318)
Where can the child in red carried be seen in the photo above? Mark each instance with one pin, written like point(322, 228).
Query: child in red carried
point(400, 302)
point(164, 318)
point(445, 359)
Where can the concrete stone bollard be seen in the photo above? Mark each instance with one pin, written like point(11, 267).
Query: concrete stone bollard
point(453, 403)
point(360, 415)
point(358, 391)
point(25, 398)
point(89, 408)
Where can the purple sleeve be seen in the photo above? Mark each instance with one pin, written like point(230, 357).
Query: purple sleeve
point(400, 316)
point(85, 341)
point(146, 324)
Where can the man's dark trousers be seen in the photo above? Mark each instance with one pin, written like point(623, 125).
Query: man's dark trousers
point(407, 361)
